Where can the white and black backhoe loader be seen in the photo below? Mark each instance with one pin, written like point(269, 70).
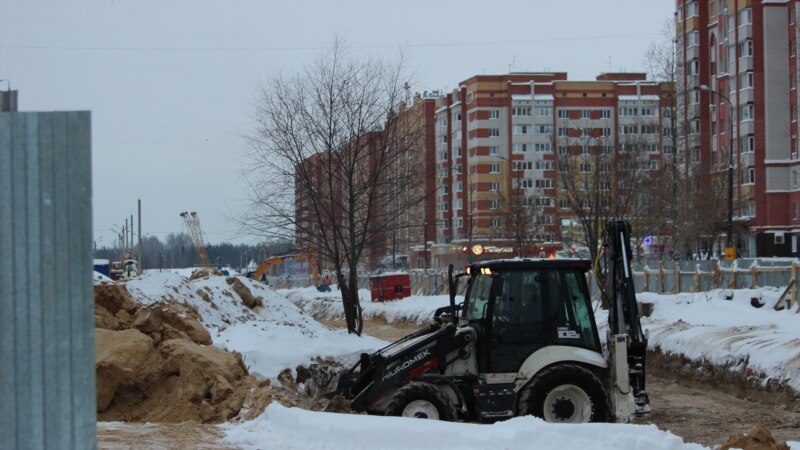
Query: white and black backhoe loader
point(524, 341)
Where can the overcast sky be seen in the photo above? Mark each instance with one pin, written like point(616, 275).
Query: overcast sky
point(170, 84)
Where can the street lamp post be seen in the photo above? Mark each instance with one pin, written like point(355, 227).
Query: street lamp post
point(469, 244)
point(731, 149)
point(425, 243)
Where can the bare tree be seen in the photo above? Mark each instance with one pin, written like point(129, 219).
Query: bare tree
point(601, 181)
point(324, 163)
point(522, 217)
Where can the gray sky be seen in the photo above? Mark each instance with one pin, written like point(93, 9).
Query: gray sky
point(170, 83)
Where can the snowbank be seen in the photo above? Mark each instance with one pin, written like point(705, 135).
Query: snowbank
point(706, 327)
point(328, 305)
point(293, 428)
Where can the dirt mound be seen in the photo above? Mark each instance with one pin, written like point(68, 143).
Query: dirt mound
point(165, 321)
point(154, 363)
point(758, 439)
point(243, 291)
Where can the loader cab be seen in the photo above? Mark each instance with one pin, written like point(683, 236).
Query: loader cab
point(520, 306)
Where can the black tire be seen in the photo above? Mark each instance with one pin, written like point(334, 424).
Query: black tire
point(566, 393)
point(423, 401)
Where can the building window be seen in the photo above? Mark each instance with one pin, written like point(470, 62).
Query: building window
point(459, 186)
point(668, 150)
point(692, 10)
point(494, 168)
point(746, 80)
point(494, 149)
point(750, 176)
point(519, 129)
point(494, 131)
point(494, 186)
point(586, 168)
point(649, 129)
point(563, 150)
point(748, 144)
point(563, 204)
point(693, 38)
point(562, 131)
point(458, 222)
point(520, 147)
point(543, 111)
point(494, 204)
point(628, 111)
point(495, 223)
point(605, 131)
point(563, 114)
point(544, 184)
point(522, 165)
point(543, 147)
point(586, 114)
point(458, 204)
point(628, 129)
point(544, 165)
point(748, 112)
point(586, 150)
point(605, 113)
point(494, 113)
point(521, 111)
point(694, 126)
point(543, 129)
point(647, 112)
point(745, 48)
point(745, 16)
point(693, 67)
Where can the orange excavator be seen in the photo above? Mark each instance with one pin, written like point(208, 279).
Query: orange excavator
point(305, 263)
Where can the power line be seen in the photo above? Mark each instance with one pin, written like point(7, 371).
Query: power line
point(297, 48)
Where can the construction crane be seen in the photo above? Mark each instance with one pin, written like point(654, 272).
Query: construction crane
point(193, 224)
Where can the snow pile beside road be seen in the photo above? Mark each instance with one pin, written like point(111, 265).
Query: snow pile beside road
point(292, 428)
point(328, 305)
point(271, 337)
point(706, 327)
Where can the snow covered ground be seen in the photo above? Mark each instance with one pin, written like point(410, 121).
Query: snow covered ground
point(279, 335)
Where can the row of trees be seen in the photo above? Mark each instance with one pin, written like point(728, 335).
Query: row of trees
point(177, 250)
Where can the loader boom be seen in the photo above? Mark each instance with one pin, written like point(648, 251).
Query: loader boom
point(627, 343)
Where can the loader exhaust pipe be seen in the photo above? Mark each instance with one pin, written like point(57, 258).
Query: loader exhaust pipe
point(451, 287)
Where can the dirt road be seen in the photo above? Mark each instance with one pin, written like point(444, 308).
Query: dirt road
point(699, 413)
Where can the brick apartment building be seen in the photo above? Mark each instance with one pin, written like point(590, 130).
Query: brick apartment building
point(745, 52)
point(499, 133)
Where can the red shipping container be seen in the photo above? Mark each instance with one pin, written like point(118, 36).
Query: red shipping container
point(390, 286)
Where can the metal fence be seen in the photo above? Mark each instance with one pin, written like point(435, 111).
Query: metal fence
point(663, 277)
point(47, 374)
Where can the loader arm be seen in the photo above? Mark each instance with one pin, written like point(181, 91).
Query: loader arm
point(627, 344)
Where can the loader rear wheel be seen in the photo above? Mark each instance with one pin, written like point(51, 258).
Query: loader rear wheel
point(566, 393)
point(421, 401)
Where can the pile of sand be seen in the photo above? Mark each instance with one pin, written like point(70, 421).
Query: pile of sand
point(758, 439)
point(155, 363)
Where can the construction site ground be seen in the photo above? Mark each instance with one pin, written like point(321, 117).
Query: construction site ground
point(698, 411)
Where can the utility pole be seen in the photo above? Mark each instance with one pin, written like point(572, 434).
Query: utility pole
point(731, 149)
point(141, 266)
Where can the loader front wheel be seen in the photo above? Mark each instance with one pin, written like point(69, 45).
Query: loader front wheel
point(421, 401)
point(566, 393)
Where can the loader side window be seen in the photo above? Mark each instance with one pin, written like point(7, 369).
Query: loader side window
point(476, 307)
point(570, 309)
